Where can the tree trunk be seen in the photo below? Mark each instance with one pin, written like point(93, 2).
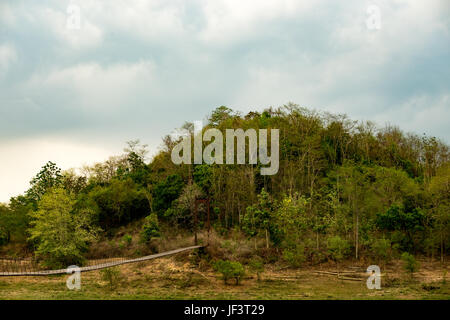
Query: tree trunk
point(357, 235)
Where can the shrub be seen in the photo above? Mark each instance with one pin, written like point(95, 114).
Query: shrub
point(127, 239)
point(338, 248)
point(150, 229)
point(112, 276)
point(3, 238)
point(230, 270)
point(257, 266)
point(381, 248)
point(295, 257)
point(410, 263)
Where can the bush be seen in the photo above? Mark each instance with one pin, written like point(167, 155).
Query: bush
point(230, 270)
point(410, 263)
point(127, 239)
point(381, 249)
point(4, 239)
point(112, 276)
point(295, 257)
point(338, 248)
point(257, 266)
point(150, 229)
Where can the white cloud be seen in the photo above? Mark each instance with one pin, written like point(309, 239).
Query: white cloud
point(8, 55)
point(88, 35)
point(96, 88)
point(420, 114)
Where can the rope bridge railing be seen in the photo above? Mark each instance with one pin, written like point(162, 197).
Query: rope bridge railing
point(29, 266)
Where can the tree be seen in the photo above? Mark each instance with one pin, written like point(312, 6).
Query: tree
point(258, 217)
point(14, 219)
point(150, 229)
point(5, 225)
point(409, 225)
point(220, 114)
point(291, 220)
point(166, 192)
point(120, 202)
point(439, 190)
point(338, 248)
point(186, 202)
point(410, 263)
point(61, 235)
point(49, 177)
point(230, 270)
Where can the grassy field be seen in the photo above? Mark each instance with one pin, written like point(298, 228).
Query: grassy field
point(172, 278)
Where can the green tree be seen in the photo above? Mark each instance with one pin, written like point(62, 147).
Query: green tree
point(150, 229)
point(61, 235)
point(49, 177)
point(230, 270)
point(338, 248)
point(409, 225)
point(439, 191)
point(409, 263)
point(118, 203)
point(257, 220)
point(166, 192)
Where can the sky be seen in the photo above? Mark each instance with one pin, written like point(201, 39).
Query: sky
point(80, 78)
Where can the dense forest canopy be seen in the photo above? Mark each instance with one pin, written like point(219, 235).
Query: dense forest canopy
point(344, 188)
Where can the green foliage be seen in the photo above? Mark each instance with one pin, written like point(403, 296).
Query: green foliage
point(127, 239)
point(395, 218)
point(118, 203)
point(202, 177)
point(185, 204)
point(61, 235)
point(257, 220)
point(112, 276)
point(407, 226)
point(338, 248)
point(291, 219)
point(150, 229)
point(296, 256)
point(220, 114)
point(410, 263)
point(257, 266)
point(49, 177)
point(166, 192)
point(381, 249)
point(5, 225)
point(230, 270)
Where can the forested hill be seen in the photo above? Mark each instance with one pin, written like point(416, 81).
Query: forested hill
point(344, 189)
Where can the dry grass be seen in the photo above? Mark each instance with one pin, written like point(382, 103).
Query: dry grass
point(177, 278)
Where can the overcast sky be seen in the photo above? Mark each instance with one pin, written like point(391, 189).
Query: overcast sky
point(138, 69)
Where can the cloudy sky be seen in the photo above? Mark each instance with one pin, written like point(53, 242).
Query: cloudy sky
point(138, 69)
